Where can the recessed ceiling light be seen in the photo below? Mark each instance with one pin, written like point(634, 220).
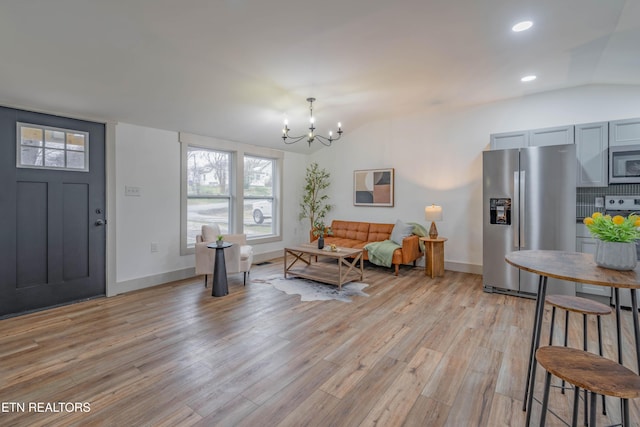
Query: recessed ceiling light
point(528, 78)
point(521, 26)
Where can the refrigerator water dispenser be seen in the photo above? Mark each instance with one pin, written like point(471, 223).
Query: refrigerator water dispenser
point(500, 211)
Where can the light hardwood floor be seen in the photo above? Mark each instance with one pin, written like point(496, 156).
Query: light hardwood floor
point(416, 352)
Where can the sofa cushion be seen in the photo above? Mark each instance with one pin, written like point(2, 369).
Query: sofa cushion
point(379, 232)
point(350, 230)
point(400, 231)
point(344, 243)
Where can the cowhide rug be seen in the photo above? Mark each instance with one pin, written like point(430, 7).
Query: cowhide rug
point(310, 290)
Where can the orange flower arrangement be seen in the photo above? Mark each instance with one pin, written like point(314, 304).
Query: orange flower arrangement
point(613, 229)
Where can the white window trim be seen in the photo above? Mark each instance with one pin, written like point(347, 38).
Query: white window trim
point(238, 151)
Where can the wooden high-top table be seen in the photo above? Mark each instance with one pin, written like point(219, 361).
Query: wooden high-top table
point(574, 267)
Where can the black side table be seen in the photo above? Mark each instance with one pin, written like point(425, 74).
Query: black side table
point(219, 287)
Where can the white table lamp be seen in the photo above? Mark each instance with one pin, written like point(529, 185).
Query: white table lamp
point(433, 213)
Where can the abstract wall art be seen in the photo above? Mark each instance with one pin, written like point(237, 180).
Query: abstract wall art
point(373, 187)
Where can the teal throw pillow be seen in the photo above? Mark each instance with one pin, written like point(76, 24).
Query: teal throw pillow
point(400, 231)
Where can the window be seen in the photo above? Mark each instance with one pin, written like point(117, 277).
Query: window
point(258, 196)
point(43, 147)
point(237, 186)
point(208, 190)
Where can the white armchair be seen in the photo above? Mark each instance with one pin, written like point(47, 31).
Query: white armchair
point(238, 258)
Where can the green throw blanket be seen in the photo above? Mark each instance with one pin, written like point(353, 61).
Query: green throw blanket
point(419, 230)
point(381, 253)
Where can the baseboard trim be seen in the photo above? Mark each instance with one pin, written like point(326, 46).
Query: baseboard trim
point(462, 267)
point(186, 273)
point(267, 256)
point(150, 281)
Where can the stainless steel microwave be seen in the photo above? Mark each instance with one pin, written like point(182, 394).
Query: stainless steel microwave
point(624, 164)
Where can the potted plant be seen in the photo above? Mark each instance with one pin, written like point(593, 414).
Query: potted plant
point(320, 230)
point(616, 236)
point(314, 199)
point(220, 240)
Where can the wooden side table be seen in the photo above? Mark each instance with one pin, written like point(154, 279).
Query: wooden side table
point(434, 256)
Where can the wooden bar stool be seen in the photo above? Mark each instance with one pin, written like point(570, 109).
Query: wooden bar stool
point(585, 307)
point(590, 372)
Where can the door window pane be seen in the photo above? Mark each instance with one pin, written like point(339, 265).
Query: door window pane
point(75, 160)
point(31, 136)
point(54, 158)
point(31, 156)
point(52, 148)
point(75, 141)
point(54, 139)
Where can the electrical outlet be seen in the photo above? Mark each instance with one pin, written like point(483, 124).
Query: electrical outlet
point(599, 202)
point(154, 247)
point(132, 191)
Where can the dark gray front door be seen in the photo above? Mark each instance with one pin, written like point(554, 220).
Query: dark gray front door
point(52, 231)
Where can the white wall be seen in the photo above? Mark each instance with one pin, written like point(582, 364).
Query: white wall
point(438, 158)
point(150, 160)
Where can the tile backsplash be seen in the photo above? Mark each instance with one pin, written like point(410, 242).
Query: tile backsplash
point(586, 196)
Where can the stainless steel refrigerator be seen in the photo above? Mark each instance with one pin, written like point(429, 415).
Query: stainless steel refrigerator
point(529, 202)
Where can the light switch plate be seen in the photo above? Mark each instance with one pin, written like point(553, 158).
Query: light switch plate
point(132, 191)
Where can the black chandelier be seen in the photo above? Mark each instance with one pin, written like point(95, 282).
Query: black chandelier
point(311, 136)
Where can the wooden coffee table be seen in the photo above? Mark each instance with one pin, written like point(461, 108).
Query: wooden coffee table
point(344, 271)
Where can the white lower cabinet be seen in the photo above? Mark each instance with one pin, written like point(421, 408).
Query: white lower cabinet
point(587, 244)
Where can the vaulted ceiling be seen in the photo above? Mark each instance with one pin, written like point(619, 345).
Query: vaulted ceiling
point(234, 69)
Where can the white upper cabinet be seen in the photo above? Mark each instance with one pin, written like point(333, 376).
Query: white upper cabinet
point(592, 144)
point(502, 141)
point(624, 132)
point(561, 135)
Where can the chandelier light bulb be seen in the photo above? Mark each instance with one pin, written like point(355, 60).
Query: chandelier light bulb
point(339, 125)
point(286, 122)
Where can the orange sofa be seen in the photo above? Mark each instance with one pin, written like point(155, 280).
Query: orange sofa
point(353, 234)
